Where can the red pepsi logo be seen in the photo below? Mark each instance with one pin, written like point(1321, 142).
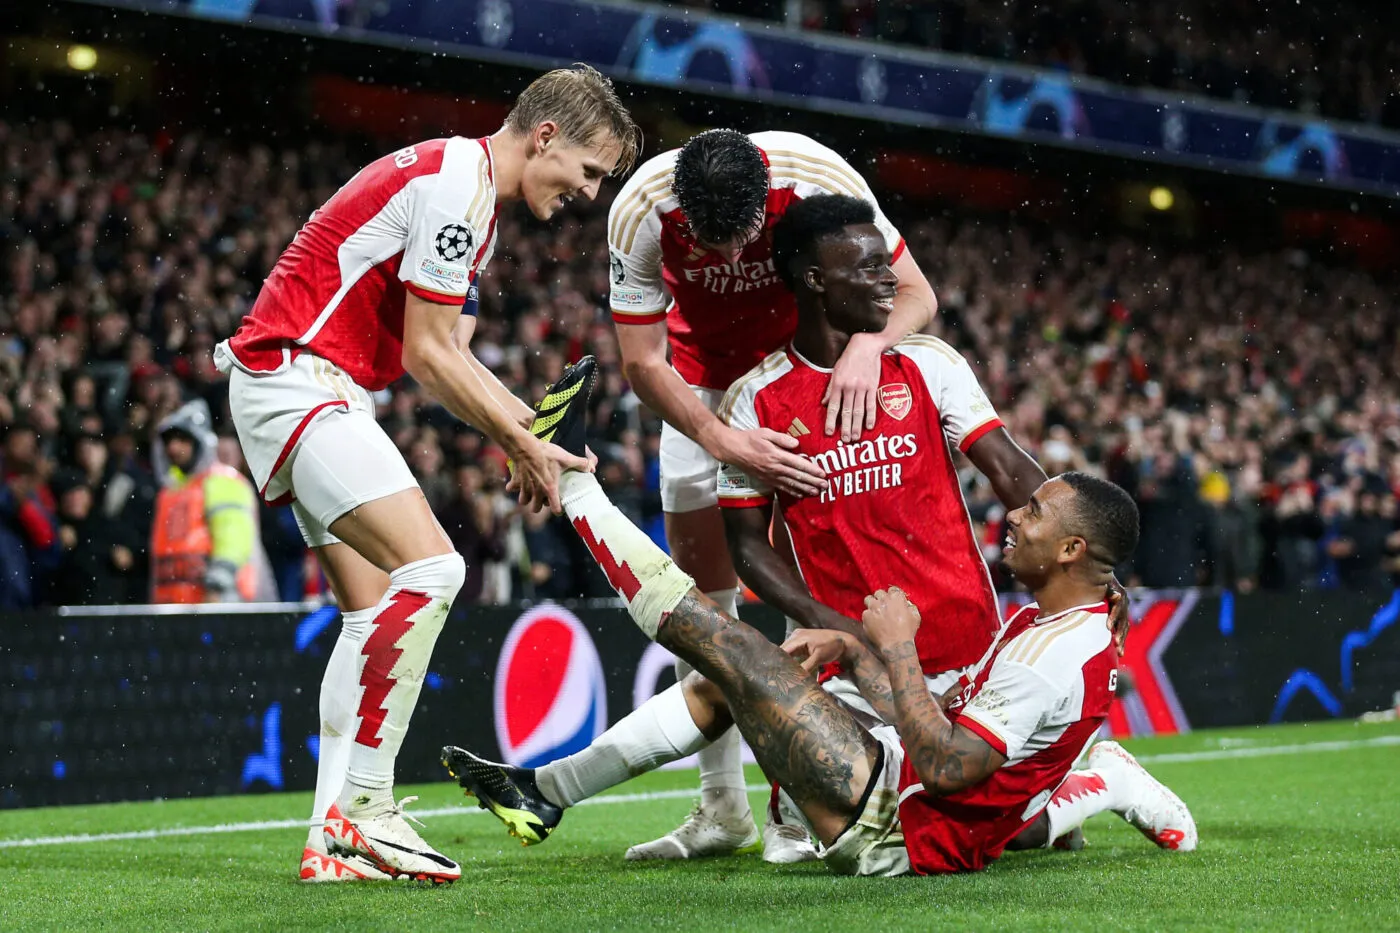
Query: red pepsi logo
point(551, 700)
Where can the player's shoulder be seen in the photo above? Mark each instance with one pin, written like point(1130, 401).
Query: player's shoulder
point(784, 142)
point(640, 203)
point(441, 155)
point(744, 390)
point(1058, 646)
point(805, 165)
point(917, 346)
point(649, 185)
point(929, 355)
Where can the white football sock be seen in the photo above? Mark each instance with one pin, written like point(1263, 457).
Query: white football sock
point(637, 569)
point(722, 790)
point(659, 731)
point(340, 690)
point(1081, 795)
point(395, 657)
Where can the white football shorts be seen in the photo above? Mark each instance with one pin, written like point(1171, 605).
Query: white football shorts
point(688, 473)
point(310, 437)
point(874, 843)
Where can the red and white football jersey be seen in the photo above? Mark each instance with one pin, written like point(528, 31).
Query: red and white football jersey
point(892, 513)
point(420, 220)
point(721, 317)
point(1038, 697)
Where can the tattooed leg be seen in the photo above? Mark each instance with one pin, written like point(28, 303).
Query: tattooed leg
point(802, 737)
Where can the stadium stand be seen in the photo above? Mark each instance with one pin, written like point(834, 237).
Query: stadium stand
point(1250, 401)
point(1338, 65)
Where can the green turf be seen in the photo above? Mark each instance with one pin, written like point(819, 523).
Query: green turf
point(1302, 840)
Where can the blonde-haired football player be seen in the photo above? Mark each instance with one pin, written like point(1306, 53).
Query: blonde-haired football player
point(375, 285)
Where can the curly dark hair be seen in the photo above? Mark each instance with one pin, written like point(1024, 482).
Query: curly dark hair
point(802, 227)
point(721, 182)
point(1105, 516)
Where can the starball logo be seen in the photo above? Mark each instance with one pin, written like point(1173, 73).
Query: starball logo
point(865, 466)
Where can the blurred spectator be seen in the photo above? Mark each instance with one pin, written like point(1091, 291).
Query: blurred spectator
point(99, 562)
point(470, 520)
point(1233, 393)
point(205, 545)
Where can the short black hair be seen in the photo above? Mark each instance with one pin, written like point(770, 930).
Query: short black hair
point(721, 182)
point(1105, 516)
point(802, 227)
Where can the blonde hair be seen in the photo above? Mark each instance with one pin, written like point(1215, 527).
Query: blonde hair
point(583, 102)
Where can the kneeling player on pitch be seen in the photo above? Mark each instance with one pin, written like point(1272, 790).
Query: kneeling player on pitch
point(955, 781)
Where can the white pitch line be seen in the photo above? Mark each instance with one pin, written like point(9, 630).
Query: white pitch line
point(1262, 751)
point(461, 810)
point(611, 799)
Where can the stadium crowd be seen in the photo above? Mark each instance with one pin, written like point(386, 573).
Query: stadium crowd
point(1250, 403)
point(1339, 65)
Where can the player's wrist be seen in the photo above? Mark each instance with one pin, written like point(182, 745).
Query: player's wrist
point(517, 442)
point(717, 438)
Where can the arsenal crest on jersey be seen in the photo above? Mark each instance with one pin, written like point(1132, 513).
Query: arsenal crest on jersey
point(896, 400)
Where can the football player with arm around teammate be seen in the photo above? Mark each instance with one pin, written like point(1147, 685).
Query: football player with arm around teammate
point(954, 781)
point(371, 288)
point(893, 507)
point(692, 270)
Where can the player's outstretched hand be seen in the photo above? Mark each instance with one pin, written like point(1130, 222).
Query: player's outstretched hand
point(852, 396)
point(890, 619)
point(536, 474)
point(767, 456)
point(816, 647)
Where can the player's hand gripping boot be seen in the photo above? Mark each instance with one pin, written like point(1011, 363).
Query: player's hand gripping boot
point(511, 794)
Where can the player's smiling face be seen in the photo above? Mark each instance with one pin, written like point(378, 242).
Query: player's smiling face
point(559, 172)
point(1035, 534)
point(858, 284)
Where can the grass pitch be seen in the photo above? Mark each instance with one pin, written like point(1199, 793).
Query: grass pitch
point(1300, 828)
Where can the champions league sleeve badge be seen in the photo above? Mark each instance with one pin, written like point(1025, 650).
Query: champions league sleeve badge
point(453, 243)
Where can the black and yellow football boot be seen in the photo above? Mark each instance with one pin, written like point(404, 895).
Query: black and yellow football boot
point(509, 793)
point(561, 417)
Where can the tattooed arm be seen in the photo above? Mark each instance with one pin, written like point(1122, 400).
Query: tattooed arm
point(816, 648)
point(946, 757)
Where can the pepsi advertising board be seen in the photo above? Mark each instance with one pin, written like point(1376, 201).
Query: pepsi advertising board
point(134, 703)
point(764, 61)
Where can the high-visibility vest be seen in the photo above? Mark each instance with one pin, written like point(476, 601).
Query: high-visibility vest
point(181, 544)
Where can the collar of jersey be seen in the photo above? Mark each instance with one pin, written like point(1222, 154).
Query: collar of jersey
point(1089, 607)
point(792, 348)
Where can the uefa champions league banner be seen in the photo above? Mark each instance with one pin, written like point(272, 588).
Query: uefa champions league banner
point(750, 59)
point(135, 703)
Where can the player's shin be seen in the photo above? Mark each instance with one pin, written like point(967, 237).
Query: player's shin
point(721, 764)
point(1081, 795)
point(658, 732)
point(340, 689)
point(637, 569)
point(394, 661)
